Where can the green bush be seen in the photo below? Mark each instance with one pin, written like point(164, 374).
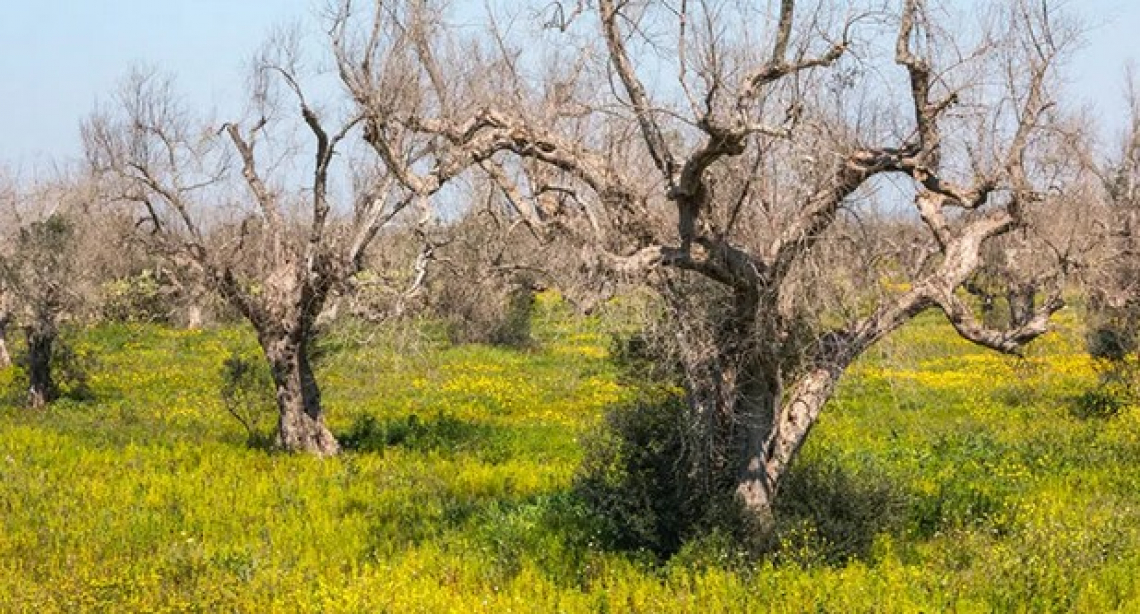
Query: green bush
point(137, 298)
point(247, 394)
point(1105, 401)
point(635, 477)
point(442, 433)
point(828, 514)
point(70, 371)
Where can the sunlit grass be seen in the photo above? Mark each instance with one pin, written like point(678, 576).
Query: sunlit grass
point(993, 494)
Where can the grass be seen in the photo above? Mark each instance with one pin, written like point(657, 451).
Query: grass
point(941, 478)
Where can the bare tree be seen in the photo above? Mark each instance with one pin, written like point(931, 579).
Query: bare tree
point(1115, 284)
point(7, 193)
point(275, 248)
point(750, 173)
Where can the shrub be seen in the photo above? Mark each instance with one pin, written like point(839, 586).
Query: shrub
point(1113, 340)
point(1113, 345)
point(247, 394)
point(442, 433)
point(635, 478)
point(829, 514)
point(1106, 400)
point(494, 311)
point(70, 372)
point(137, 298)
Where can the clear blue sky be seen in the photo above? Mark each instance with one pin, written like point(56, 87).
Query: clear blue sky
point(57, 57)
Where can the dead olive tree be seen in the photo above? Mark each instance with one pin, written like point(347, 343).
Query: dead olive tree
point(730, 154)
point(273, 232)
point(1115, 282)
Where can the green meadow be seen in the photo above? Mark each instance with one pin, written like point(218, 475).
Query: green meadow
point(942, 478)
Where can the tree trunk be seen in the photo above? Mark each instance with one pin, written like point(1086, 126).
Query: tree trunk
point(41, 388)
point(194, 317)
point(1022, 304)
point(301, 424)
point(772, 445)
point(5, 357)
point(755, 488)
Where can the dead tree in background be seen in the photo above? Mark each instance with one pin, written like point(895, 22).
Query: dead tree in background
point(1114, 294)
point(272, 246)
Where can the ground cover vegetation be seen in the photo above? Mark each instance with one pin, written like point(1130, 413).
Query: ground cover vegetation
point(944, 477)
point(497, 317)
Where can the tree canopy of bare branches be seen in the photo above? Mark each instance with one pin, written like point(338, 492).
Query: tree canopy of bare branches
point(223, 203)
point(747, 144)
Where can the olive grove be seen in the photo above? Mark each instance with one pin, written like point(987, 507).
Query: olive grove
point(794, 180)
point(739, 157)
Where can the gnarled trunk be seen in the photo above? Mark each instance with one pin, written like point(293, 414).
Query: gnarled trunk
point(773, 446)
point(1022, 303)
point(41, 387)
point(301, 424)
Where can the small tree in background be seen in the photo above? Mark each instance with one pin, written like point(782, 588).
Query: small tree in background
point(1114, 285)
point(40, 273)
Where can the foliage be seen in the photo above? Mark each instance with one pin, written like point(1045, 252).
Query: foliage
point(137, 298)
point(1112, 342)
point(496, 313)
point(71, 368)
point(247, 394)
point(633, 477)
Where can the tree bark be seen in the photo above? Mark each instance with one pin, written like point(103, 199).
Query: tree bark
point(773, 444)
point(301, 425)
point(194, 317)
point(756, 402)
point(1022, 303)
point(5, 357)
point(41, 387)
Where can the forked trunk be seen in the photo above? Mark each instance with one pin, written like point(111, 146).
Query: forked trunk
point(301, 424)
point(773, 438)
point(41, 387)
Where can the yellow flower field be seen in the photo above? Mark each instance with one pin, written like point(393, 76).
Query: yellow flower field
point(956, 480)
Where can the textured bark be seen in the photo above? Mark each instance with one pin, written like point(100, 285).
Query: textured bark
point(772, 445)
point(301, 425)
point(41, 387)
point(5, 357)
point(194, 317)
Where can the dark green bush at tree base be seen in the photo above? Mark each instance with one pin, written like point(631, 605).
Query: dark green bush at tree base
point(70, 368)
point(828, 514)
point(637, 480)
point(633, 477)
